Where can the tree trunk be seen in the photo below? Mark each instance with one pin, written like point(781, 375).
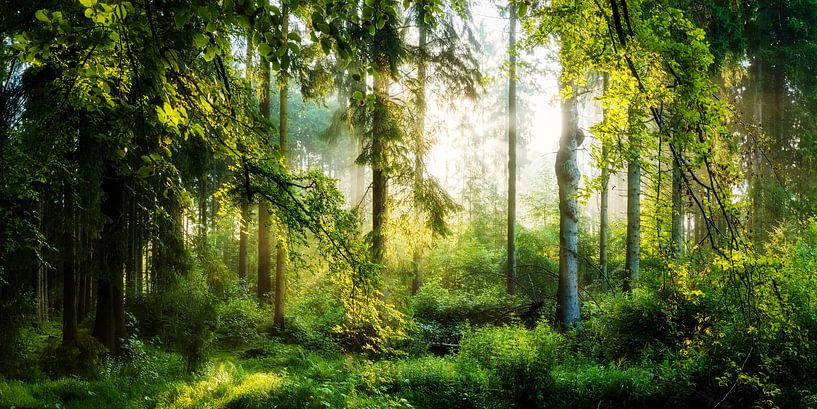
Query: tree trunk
point(633, 216)
point(359, 188)
point(69, 299)
point(419, 149)
point(604, 224)
point(264, 215)
point(380, 161)
point(568, 176)
point(203, 195)
point(110, 325)
point(243, 238)
point(41, 276)
point(244, 234)
point(281, 256)
point(677, 212)
point(510, 273)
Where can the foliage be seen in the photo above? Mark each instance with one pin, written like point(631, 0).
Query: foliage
point(240, 322)
point(83, 358)
point(187, 327)
point(518, 360)
point(428, 382)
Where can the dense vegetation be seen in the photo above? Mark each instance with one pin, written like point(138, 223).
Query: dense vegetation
point(236, 204)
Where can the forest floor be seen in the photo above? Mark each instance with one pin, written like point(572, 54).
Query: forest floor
point(272, 373)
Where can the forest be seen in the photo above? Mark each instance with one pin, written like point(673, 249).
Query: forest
point(408, 204)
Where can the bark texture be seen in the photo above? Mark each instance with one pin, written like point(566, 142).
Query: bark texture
point(568, 176)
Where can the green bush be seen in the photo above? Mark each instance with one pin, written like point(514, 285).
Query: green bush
point(240, 321)
point(82, 359)
point(15, 314)
point(183, 317)
point(429, 382)
point(591, 385)
point(434, 303)
point(313, 319)
point(631, 327)
point(519, 360)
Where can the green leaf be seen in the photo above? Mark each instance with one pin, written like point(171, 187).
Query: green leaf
point(294, 47)
point(269, 38)
point(523, 10)
point(200, 40)
point(265, 50)
point(88, 3)
point(181, 19)
point(143, 172)
point(42, 16)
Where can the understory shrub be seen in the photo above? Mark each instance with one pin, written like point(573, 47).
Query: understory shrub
point(82, 358)
point(429, 382)
point(183, 317)
point(440, 315)
point(519, 360)
point(240, 322)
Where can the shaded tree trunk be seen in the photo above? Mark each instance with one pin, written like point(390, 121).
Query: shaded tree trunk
point(244, 233)
point(632, 262)
point(510, 273)
point(69, 299)
point(677, 236)
point(264, 215)
point(604, 205)
point(380, 161)
point(281, 256)
point(419, 149)
point(604, 223)
point(40, 273)
point(568, 176)
point(109, 326)
point(243, 238)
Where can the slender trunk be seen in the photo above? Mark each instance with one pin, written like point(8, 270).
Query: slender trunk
point(419, 150)
point(110, 326)
point(604, 206)
point(244, 233)
point(756, 174)
point(140, 251)
point(281, 256)
point(380, 161)
point(130, 254)
point(40, 274)
point(677, 212)
point(203, 195)
point(69, 299)
point(264, 215)
point(511, 265)
point(359, 182)
point(243, 238)
point(568, 176)
point(604, 224)
point(633, 216)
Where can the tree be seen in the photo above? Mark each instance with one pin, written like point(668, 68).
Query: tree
point(69, 297)
point(281, 257)
point(511, 265)
point(264, 213)
point(568, 177)
point(604, 224)
point(243, 235)
point(633, 252)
